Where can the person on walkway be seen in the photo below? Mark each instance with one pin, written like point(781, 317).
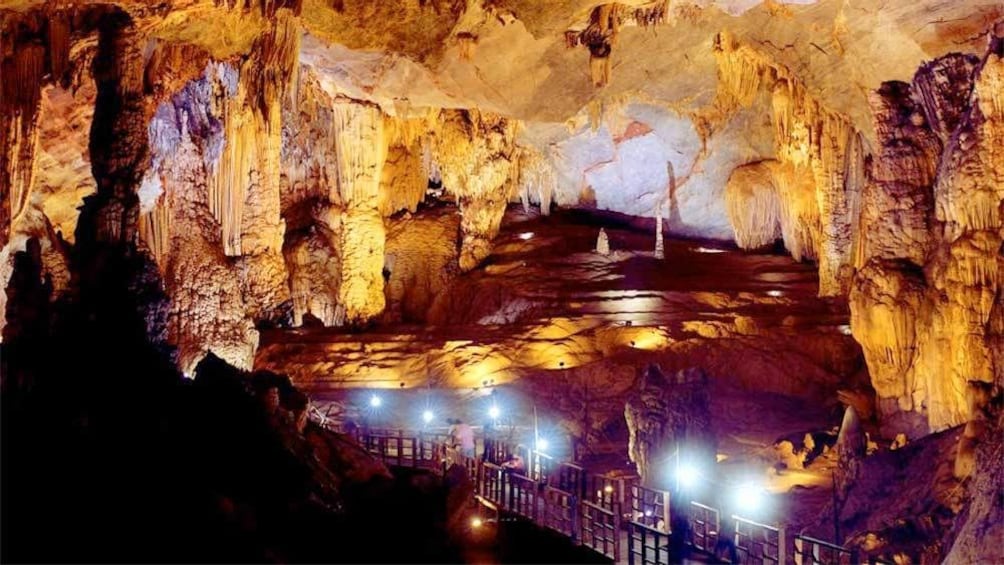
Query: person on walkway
point(463, 437)
point(515, 464)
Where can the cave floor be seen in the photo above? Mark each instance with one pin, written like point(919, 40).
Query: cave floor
point(544, 300)
point(551, 327)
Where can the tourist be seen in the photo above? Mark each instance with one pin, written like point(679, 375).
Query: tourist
point(463, 437)
point(515, 464)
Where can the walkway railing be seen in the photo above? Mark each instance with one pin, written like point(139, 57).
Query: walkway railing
point(811, 551)
point(615, 517)
point(705, 527)
point(759, 543)
point(647, 545)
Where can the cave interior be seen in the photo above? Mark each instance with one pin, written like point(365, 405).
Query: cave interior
point(729, 243)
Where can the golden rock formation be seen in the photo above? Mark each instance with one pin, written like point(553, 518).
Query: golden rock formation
point(475, 152)
point(811, 142)
point(360, 150)
point(753, 205)
point(927, 322)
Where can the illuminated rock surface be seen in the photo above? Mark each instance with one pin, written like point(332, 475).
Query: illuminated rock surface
point(403, 194)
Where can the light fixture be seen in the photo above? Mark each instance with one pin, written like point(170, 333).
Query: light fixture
point(542, 444)
point(427, 416)
point(608, 489)
point(687, 476)
point(494, 412)
point(375, 401)
point(749, 498)
point(476, 522)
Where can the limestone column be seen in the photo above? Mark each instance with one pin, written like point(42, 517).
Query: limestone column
point(360, 150)
point(118, 146)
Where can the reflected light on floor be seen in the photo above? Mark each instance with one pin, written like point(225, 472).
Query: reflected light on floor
point(648, 340)
point(774, 293)
point(526, 235)
point(708, 250)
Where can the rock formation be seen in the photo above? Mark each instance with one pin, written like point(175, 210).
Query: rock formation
point(669, 418)
point(602, 243)
point(927, 297)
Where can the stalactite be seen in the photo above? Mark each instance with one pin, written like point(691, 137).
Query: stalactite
point(809, 139)
point(403, 183)
point(887, 327)
point(155, 230)
point(248, 170)
point(34, 48)
point(753, 205)
point(477, 155)
point(22, 73)
point(537, 179)
point(799, 210)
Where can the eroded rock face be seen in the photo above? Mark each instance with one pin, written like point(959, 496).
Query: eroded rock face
point(211, 201)
point(927, 321)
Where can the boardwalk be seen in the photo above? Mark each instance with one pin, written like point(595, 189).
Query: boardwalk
point(617, 518)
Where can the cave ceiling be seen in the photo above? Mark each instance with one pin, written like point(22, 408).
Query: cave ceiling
point(411, 54)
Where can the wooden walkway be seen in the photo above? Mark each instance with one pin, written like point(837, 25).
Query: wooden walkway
point(616, 517)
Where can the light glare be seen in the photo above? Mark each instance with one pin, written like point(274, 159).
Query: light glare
point(476, 523)
point(427, 416)
point(494, 412)
point(375, 401)
point(526, 235)
point(749, 498)
point(542, 444)
point(687, 476)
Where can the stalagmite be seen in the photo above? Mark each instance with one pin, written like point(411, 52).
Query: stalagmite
point(660, 245)
point(602, 243)
point(852, 444)
point(667, 418)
